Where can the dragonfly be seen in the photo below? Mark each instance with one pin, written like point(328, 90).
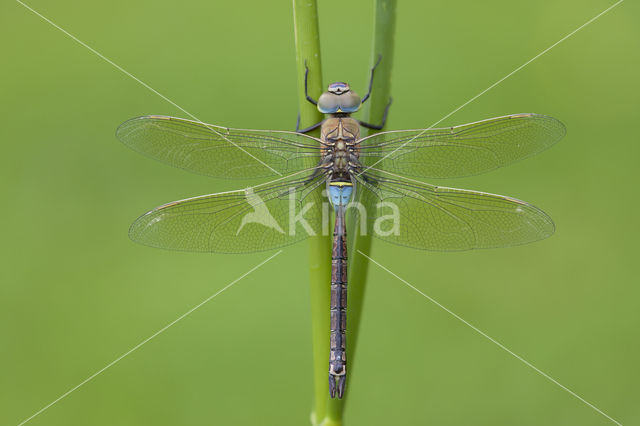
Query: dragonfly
point(339, 170)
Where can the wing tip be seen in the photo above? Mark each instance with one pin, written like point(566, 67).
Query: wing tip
point(543, 224)
point(120, 131)
point(550, 123)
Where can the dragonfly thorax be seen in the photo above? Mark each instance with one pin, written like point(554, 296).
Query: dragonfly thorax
point(340, 136)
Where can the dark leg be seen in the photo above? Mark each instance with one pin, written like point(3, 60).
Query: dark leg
point(308, 129)
point(371, 80)
point(384, 119)
point(310, 99)
point(306, 75)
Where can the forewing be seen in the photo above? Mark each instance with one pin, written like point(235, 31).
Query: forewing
point(219, 151)
point(260, 218)
point(418, 215)
point(462, 150)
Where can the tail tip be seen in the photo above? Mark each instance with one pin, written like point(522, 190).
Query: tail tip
point(337, 388)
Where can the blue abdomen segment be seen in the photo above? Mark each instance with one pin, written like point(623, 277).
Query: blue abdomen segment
point(340, 193)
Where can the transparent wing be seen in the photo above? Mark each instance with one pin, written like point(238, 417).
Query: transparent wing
point(462, 150)
point(264, 217)
point(218, 151)
point(418, 215)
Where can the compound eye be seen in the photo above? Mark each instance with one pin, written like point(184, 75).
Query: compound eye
point(328, 103)
point(332, 103)
point(350, 102)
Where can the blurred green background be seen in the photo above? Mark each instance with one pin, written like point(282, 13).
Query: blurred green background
point(76, 293)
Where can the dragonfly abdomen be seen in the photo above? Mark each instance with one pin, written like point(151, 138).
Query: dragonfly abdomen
point(337, 355)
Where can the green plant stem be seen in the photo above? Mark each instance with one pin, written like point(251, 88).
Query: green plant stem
point(307, 39)
point(326, 411)
point(383, 41)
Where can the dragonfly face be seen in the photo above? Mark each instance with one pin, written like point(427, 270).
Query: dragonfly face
point(339, 98)
point(338, 88)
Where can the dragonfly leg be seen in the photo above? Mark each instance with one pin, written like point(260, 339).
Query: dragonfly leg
point(308, 129)
point(371, 80)
point(306, 93)
point(384, 119)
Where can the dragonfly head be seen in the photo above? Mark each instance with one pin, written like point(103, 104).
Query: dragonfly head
point(339, 99)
